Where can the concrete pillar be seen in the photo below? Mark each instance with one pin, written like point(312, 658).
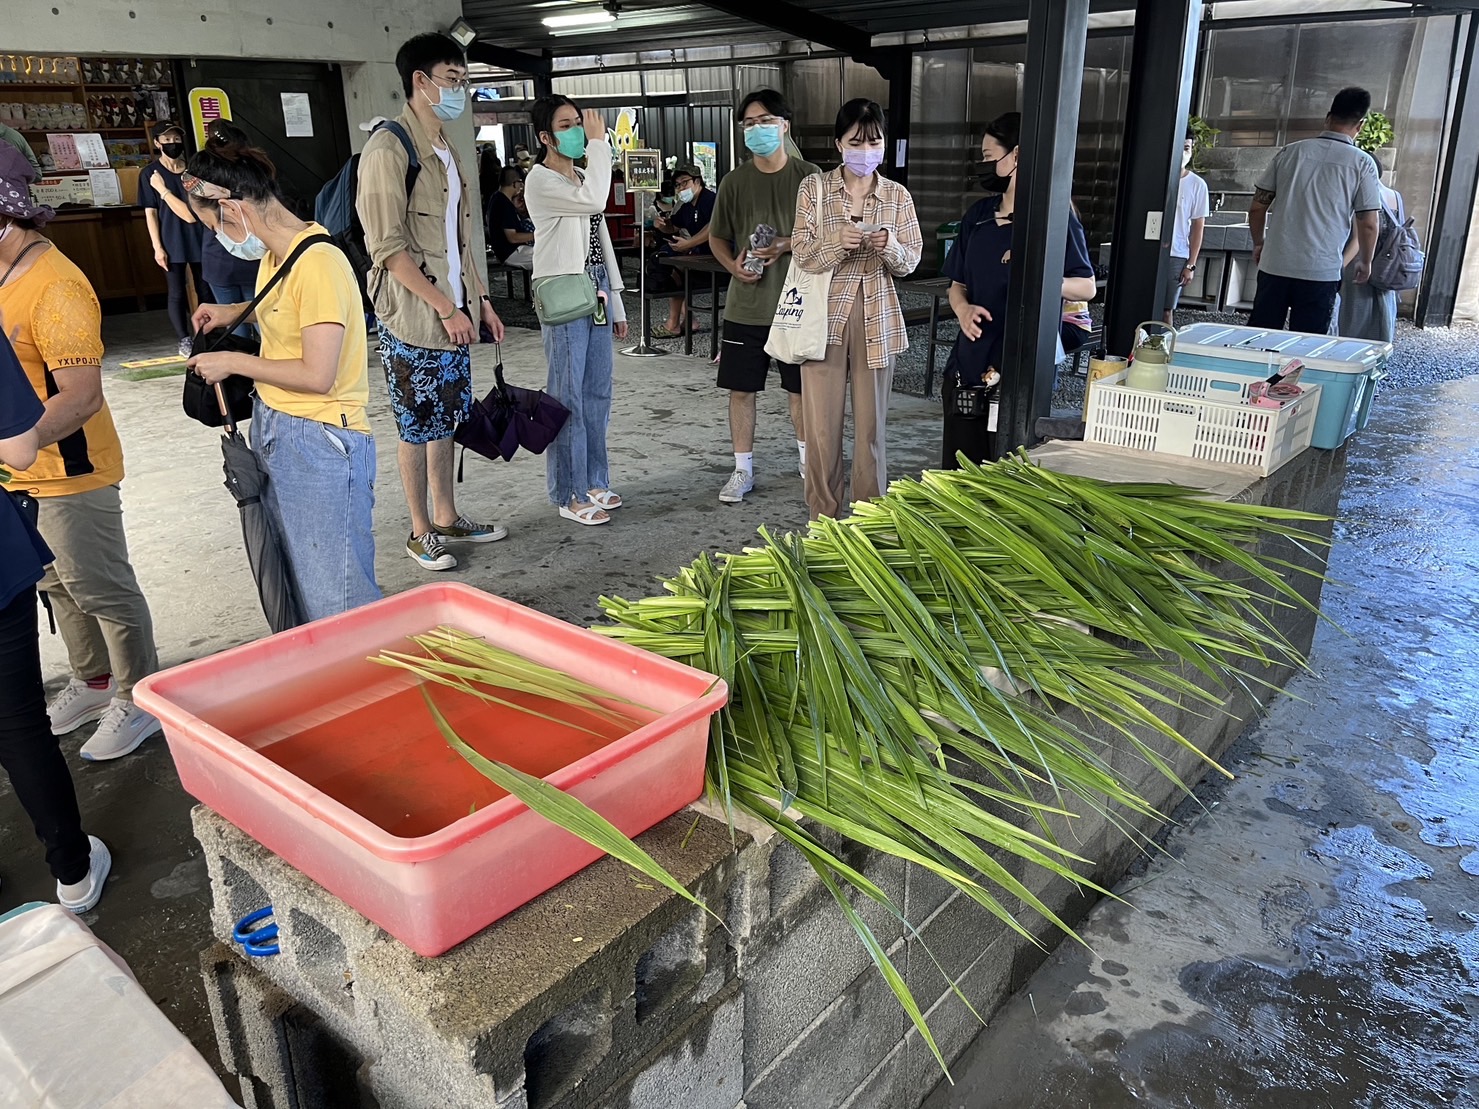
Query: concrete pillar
point(1161, 67)
point(1052, 81)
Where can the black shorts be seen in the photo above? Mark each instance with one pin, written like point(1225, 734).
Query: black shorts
point(743, 363)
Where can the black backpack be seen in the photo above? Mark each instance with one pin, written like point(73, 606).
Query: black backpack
point(334, 207)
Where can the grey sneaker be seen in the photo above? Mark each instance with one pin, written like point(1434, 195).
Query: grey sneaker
point(428, 552)
point(736, 487)
point(465, 531)
point(123, 727)
point(78, 704)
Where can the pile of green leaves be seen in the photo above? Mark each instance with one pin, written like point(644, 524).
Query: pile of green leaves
point(910, 679)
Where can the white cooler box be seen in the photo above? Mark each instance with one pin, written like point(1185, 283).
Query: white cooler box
point(76, 1030)
point(1347, 370)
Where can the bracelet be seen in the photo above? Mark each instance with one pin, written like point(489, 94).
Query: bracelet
point(448, 316)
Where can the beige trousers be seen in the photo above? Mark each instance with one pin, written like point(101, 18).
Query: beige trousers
point(100, 609)
point(824, 391)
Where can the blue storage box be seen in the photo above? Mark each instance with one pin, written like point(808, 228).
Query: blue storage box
point(1347, 370)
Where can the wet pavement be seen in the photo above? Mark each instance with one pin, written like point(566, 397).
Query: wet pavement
point(1309, 939)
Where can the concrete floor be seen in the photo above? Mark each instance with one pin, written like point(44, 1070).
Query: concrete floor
point(670, 456)
point(1308, 940)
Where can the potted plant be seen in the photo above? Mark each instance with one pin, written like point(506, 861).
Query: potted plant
point(1206, 137)
point(1377, 138)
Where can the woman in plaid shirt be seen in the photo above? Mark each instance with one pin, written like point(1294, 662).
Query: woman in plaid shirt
point(861, 226)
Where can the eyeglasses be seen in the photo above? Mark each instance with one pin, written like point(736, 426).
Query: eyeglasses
point(448, 83)
point(750, 123)
point(204, 189)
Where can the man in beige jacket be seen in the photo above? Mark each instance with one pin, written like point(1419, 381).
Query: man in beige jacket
point(427, 289)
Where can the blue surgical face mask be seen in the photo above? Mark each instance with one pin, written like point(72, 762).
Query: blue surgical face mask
point(250, 249)
point(686, 196)
point(450, 104)
point(764, 139)
point(571, 142)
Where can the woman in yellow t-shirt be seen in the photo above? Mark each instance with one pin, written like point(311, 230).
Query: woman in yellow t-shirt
point(308, 422)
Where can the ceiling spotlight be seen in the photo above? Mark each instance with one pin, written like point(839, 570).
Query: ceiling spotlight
point(462, 33)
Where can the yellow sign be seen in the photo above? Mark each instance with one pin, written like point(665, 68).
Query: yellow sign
point(206, 105)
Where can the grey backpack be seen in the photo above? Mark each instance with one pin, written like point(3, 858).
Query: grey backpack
point(1398, 263)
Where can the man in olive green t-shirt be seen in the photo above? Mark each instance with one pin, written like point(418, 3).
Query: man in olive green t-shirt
point(760, 192)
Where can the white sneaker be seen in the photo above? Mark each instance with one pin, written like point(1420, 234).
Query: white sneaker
point(801, 469)
point(79, 704)
point(736, 487)
point(123, 727)
point(82, 897)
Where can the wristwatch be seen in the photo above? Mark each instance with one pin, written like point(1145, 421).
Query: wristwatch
point(1189, 266)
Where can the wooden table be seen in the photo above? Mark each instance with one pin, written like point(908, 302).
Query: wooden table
point(688, 265)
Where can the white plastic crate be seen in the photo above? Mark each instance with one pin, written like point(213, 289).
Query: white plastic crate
point(1201, 415)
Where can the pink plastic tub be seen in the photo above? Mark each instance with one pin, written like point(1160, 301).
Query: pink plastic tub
point(433, 890)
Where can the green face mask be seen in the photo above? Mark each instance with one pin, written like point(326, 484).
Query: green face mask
point(571, 143)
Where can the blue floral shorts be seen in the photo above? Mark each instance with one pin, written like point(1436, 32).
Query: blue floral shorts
point(430, 390)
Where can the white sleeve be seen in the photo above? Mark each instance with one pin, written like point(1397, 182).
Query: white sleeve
point(1203, 207)
point(549, 195)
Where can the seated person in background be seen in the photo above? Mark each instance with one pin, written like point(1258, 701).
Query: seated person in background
point(510, 231)
point(686, 232)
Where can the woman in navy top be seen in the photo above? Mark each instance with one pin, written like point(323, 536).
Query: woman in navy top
point(29, 753)
point(980, 269)
point(173, 228)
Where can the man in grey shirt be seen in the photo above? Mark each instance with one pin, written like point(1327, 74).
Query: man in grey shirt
point(1315, 188)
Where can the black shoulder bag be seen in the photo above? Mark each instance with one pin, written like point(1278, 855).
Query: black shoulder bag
point(200, 401)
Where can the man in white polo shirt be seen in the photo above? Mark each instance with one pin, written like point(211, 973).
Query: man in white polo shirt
point(1306, 199)
point(1193, 206)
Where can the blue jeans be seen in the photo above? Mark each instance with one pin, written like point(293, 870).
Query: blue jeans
point(580, 368)
point(321, 495)
point(236, 294)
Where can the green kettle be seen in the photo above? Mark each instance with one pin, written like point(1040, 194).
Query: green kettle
point(1150, 361)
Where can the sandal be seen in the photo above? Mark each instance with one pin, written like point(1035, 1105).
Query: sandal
point(591, 515)
point(605, 498)
point(663, 331)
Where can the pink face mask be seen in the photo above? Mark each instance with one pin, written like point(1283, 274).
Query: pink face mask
point(862, 162)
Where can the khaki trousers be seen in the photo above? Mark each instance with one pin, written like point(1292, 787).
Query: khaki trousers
point(100, 610)
point(824, 390)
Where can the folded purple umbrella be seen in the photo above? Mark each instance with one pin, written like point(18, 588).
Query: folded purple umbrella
point(509, 418)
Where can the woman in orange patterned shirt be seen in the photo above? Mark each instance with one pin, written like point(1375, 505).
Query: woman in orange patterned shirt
point(54, 322)
point(861, 226)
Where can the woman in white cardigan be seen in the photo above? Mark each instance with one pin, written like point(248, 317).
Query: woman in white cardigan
point(568, 209)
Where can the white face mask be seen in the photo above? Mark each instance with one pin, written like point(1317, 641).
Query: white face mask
point(1186, 158)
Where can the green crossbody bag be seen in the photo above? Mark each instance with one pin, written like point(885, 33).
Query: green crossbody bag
point(564, 297)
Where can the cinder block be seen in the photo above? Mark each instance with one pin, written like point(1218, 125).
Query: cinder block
point(811, 1073)
point(987, 982)
point(458, 1029)
point(285, 1057)
point(698, 1066)
point(884, 1088)
point(805, 963)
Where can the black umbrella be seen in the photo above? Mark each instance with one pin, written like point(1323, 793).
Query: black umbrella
point(509, 418)
point(246, 481)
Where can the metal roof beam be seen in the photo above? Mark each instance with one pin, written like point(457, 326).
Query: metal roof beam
point(519, 61)
point(796, 22)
